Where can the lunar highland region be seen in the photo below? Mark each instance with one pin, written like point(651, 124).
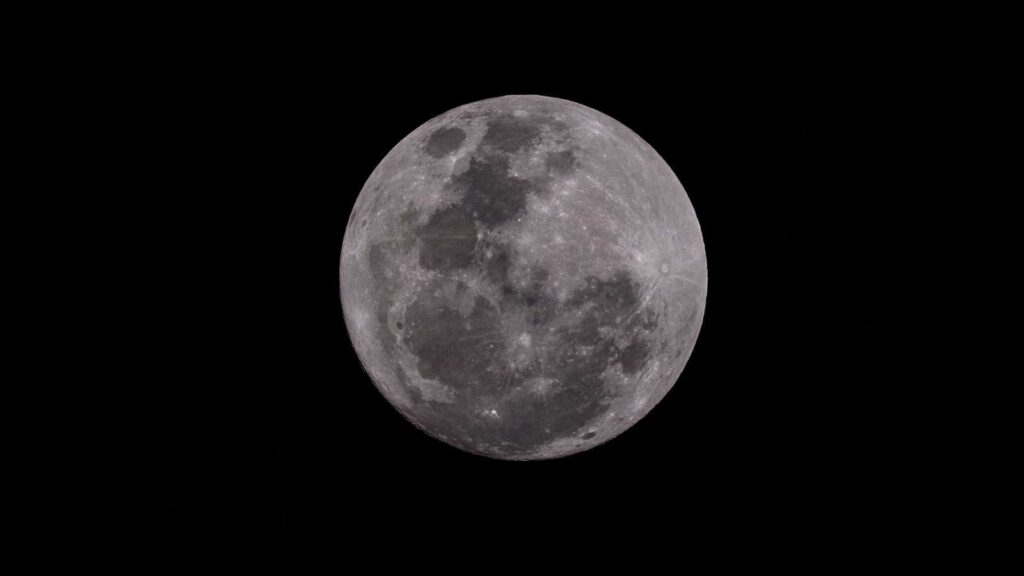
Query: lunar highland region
point(523, 277)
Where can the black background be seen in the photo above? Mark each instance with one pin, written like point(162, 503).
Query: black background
point(225, 159)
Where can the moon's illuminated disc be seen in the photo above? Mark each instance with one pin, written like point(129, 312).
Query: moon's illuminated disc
point(523, 277)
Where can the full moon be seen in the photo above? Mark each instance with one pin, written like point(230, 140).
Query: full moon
point(523, 277)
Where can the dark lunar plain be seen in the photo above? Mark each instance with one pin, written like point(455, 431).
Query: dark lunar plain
point(225, 160)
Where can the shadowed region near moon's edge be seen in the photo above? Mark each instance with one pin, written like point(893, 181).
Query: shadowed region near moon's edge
point(503, 277)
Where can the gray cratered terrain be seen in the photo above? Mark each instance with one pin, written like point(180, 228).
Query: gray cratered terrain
point(523, 277)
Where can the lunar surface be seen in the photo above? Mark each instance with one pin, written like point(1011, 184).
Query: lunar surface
point(523, 277)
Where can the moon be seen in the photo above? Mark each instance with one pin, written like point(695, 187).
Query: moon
point(523, 277)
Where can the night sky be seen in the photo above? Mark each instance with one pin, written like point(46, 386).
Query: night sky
point(226, 158)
